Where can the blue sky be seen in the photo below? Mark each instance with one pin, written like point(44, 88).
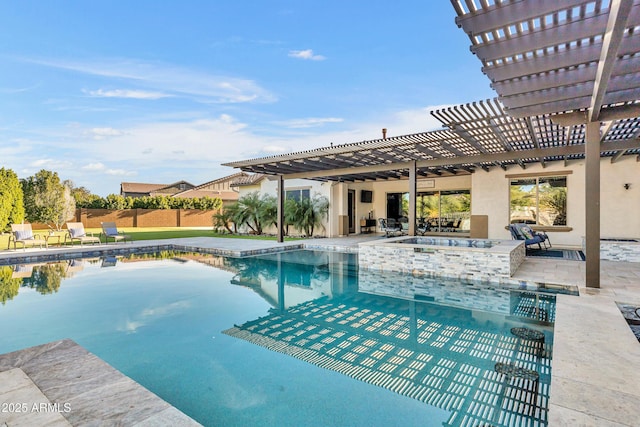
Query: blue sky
point(104, 92)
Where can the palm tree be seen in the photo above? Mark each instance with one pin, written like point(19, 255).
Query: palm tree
point(256, 212)
point(225, 217)
point(309, 213)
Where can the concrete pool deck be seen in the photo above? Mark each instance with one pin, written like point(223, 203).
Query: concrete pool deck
point(596, 358)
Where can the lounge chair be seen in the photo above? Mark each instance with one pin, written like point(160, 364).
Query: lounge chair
point(22, 233)
point(390, 226)
point(110, 231)
point(530, 237)
point(76, 233)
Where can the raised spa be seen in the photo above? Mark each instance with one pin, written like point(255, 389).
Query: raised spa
point(439, 241)
point(469, 259)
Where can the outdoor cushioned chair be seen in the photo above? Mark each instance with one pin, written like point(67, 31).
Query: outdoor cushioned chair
point(530, 237)
point(110, 231)
point(22, 233)
point(423, 228)
point(390, 226)
point(76, 233)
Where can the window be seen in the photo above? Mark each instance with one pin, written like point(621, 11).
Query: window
point(444, 211)
point(538, 200)
point(437, 211)
point(298, 194)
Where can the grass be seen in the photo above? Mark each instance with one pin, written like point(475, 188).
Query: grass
point(150, 233)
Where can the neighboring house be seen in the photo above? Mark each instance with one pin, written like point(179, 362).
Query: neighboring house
point(220, 187)
point(139, 189)
point(249, 182)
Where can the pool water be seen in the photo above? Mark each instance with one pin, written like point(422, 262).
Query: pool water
point(275, 340)
point(439, 241)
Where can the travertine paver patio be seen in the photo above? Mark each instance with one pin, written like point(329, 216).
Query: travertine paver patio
point(596, 360)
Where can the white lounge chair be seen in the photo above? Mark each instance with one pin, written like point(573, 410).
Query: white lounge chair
point(110, 231)
point(76, 233)
point(22, 233)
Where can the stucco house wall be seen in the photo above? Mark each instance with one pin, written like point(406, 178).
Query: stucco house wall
point(267, 186)
point(620, 207)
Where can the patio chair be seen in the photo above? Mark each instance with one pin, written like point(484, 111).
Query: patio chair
point(423, 228)
point(530, 237)
point(527, 231)
point(390, 226)
point(76, 233)
point(110, 231)
point(22, 233)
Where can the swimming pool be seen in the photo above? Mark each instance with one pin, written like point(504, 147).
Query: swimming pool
point(283, 339)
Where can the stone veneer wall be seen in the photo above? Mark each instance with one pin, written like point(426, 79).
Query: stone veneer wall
point(478, 264)
point(620, 251)
point(467, 295)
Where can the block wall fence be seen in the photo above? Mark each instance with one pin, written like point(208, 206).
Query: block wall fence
point(91, 218)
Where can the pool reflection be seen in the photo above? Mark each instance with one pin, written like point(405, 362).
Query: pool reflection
point(443, 356)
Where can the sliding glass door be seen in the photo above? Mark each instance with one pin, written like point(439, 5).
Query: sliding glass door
point(436, 211)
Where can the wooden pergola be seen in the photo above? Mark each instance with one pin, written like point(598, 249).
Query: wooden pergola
point(567, 75)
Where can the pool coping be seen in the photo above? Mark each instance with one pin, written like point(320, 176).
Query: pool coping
point(61, 384)
point(64, 253)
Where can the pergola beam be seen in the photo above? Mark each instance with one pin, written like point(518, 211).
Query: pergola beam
point(619, 11)
point(480, 23)
point(488, 157)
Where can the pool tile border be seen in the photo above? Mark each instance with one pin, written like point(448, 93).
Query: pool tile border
point(43, 256)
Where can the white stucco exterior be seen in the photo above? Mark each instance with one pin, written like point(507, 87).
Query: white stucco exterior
point(620, 207)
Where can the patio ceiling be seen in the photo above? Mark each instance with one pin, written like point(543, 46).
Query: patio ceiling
point(476, 136)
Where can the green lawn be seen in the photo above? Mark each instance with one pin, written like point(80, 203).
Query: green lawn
point(152, 233)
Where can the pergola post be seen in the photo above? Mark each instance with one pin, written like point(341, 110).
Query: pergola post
point(280, 209)
point(412, 198)
point(592, 204)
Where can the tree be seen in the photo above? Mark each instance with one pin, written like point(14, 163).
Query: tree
point(82, 196)
point(307, 214)
point(555, 201)
point(224, 219)
point(46, 279)
point(11, 199)
point(47, 200)
point(116, 202)
point(256, 212)
point(8, 285)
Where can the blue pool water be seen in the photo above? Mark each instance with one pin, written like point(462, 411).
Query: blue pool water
point(275, 340)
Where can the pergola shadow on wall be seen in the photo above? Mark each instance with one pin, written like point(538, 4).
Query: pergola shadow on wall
point(568, 79)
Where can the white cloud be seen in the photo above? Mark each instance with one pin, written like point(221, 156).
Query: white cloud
point(168, 79)
point(274, 149)
point(149, 315)
point(101, 167)
point(101, 133)
point(126, 93)
point(94, 167)
point(148, 150)
point(309, 122)
point(306, 54)
point(51, 164)
point(119, 172)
